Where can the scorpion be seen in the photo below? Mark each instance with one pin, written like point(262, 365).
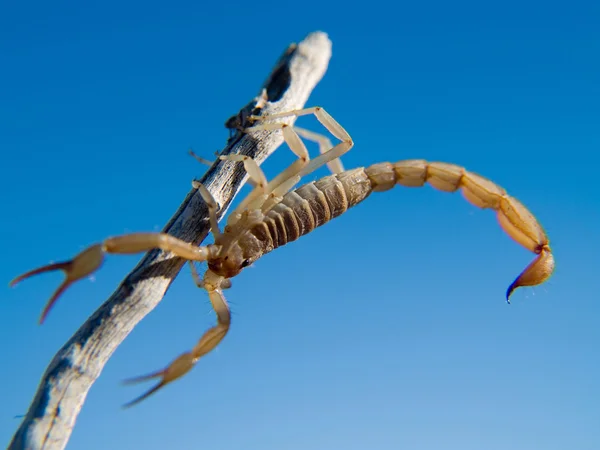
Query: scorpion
point(274, 214)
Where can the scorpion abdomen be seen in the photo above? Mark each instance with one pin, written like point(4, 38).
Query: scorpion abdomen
point(308, 207)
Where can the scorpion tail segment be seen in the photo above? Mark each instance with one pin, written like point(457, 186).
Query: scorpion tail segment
point(535, 273)
point(182, 365)
point(514, 218)
point(523, 227)
point(87, 262)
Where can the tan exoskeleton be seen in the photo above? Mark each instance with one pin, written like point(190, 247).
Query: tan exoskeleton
point(273, 215)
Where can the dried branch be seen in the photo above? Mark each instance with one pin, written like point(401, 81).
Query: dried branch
point(64, 386)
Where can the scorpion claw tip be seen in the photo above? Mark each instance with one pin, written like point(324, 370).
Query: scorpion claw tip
point(62, 288)
point(142, 378)
point(146, 394)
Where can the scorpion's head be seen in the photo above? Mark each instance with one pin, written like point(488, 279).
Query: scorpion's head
point(230, 263)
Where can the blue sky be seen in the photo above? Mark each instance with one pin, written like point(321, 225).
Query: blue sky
point(385, 329)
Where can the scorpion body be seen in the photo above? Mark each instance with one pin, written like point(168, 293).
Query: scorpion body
point(316, 203)
point(273, 214)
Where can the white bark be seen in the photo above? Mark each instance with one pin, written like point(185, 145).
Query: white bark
point(64, 386)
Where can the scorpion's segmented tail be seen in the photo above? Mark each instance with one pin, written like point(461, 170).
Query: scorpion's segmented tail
point(514, 218)
point(316, 203)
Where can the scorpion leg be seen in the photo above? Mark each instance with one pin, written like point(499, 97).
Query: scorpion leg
point(90, 259)
point(330, 155)
point(335, 165)
point(261, 191)
point(257, 179)
point(200, 159)
point(211, 338)
point(213, 207)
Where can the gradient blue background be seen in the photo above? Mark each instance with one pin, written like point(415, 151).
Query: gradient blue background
point(387, 328)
